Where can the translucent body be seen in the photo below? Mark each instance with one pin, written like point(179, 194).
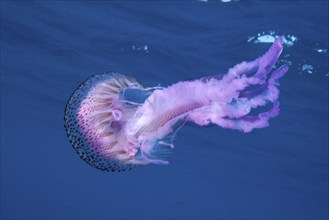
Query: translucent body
point(114, 123)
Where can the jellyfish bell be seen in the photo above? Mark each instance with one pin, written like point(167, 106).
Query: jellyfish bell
point(96, 116)
point(114, 123)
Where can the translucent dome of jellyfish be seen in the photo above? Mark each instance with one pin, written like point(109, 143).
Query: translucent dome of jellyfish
point(115, 123)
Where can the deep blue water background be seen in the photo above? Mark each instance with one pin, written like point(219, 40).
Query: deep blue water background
point(49, 47)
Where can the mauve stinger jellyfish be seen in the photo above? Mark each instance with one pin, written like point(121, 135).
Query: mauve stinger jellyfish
point(115, 123)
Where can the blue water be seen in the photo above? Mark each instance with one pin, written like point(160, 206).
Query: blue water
point(49, 47)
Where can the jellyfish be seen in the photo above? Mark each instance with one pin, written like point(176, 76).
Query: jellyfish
point(115, 123)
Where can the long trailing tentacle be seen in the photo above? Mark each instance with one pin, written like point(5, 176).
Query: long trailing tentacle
point(236, 113)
